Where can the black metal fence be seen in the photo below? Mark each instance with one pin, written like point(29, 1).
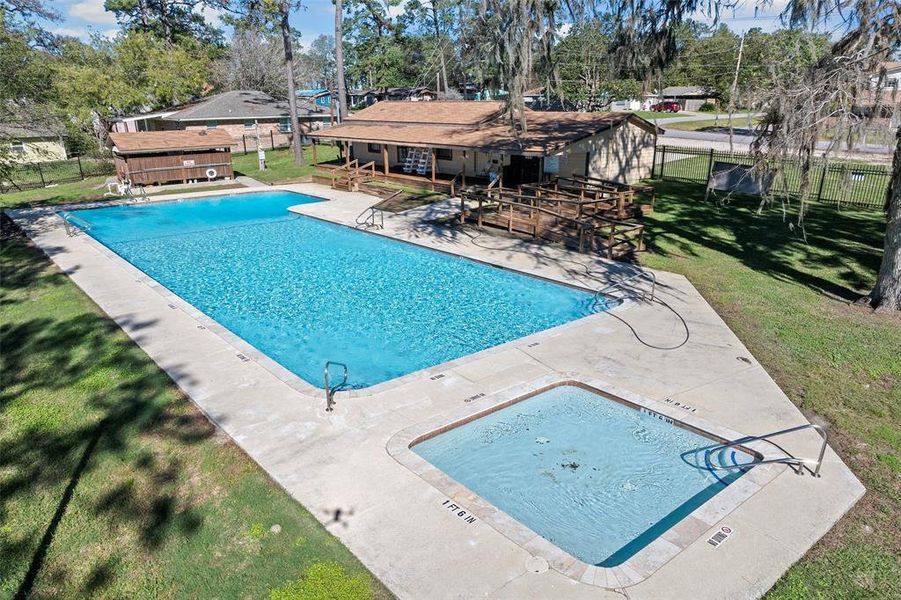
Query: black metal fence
point(843, 183)
point(41, 174)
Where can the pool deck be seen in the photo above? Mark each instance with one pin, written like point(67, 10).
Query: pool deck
point(346, 466)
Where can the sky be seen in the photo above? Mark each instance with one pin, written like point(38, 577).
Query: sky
point(81, 18)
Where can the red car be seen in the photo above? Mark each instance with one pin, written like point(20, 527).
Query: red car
point(667, 106)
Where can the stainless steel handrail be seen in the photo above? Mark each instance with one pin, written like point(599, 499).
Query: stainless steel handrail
point(73, 223)
point(369, 221)
point(330, 390)
point(788, 460)
point(622, 282)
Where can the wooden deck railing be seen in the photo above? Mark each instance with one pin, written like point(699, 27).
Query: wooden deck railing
point(542, 217)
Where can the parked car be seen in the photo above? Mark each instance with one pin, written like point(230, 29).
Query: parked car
point(667, 106)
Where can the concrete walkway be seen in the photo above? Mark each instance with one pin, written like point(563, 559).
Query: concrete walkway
point(346, 468)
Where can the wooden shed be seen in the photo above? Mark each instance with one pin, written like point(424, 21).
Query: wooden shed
point(151, 157)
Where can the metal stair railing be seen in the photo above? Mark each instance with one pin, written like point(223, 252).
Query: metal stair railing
point(330, 390)
point(788, 459)
point(73, 224)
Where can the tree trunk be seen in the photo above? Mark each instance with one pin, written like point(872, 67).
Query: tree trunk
point(292, 90)
point(886, 296)
point(439, 46)
point(339, 61)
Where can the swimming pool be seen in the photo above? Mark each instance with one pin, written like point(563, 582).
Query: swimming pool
point(598, 478)
point(304, 291)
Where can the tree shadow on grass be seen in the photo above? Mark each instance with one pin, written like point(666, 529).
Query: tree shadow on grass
point(88, 415)
point(840, 256)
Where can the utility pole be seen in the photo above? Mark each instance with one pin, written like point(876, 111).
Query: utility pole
point(741, 47)
point(339, 61)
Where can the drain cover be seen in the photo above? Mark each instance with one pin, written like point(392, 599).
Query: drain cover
point(536, 564)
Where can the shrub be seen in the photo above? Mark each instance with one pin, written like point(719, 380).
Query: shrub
point(325, 581)
point(707, 107)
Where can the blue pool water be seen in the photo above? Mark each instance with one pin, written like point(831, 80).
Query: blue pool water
point(304, 291)
point(599, 479)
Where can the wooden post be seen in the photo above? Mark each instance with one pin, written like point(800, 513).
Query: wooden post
point(510, 223)
point(434, 162)
point(315, 154)
point(621, 205)
point(347, 153)
point(385, 158)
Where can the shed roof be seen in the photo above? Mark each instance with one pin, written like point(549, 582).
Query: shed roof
point(241, 104)
point(476, 125)
point(166, 141)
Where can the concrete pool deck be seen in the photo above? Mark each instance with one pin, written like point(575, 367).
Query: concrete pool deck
point(339, 466)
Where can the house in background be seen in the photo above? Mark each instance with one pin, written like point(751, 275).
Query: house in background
point(320, 97)
point(32, 143)
point(442, 139)
point(241, 113)
point(690, 97)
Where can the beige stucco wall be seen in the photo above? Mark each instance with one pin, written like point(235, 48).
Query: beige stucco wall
point(41, 150)
point(625, 154)
point(476, 163)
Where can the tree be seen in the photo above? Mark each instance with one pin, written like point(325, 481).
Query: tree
point(339, 61)
point(253, 61)
point(273, 16)
point(320, 62)
point(588, 77)
point(645, 41)
point(137, 71)
point(168, 19)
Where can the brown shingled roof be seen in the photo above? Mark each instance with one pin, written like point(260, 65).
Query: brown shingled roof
point(443, 112)
point(161, 141)
point(546, 132)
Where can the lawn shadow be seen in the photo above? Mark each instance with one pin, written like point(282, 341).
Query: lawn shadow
point(840, 256)
point(92, 418)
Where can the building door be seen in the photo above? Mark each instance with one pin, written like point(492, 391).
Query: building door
point(522, 169)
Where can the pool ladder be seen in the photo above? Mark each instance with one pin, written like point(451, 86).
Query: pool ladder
point(73, 224)
point(331, 389)
point(811, 465)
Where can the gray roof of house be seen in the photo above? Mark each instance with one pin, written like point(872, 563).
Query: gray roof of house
point(20, 131)
point(688, 90)
point(241, 104)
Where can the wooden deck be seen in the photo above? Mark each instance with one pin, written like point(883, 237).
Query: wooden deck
point(590, 217)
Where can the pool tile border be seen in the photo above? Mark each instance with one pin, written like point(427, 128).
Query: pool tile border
point(691, 529)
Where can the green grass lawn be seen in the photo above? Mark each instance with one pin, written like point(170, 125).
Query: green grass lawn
point(280, 167)
point(112, 484)
point(789, 302)
point(723, 121)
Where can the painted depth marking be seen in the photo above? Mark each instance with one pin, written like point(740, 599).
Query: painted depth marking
point(720, 536)
point(467, 518)
point(437, 377)
point(476, 397)
point(681, 405)
point(651, 413)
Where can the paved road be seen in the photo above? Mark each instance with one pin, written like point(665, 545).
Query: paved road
point(742, 143)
